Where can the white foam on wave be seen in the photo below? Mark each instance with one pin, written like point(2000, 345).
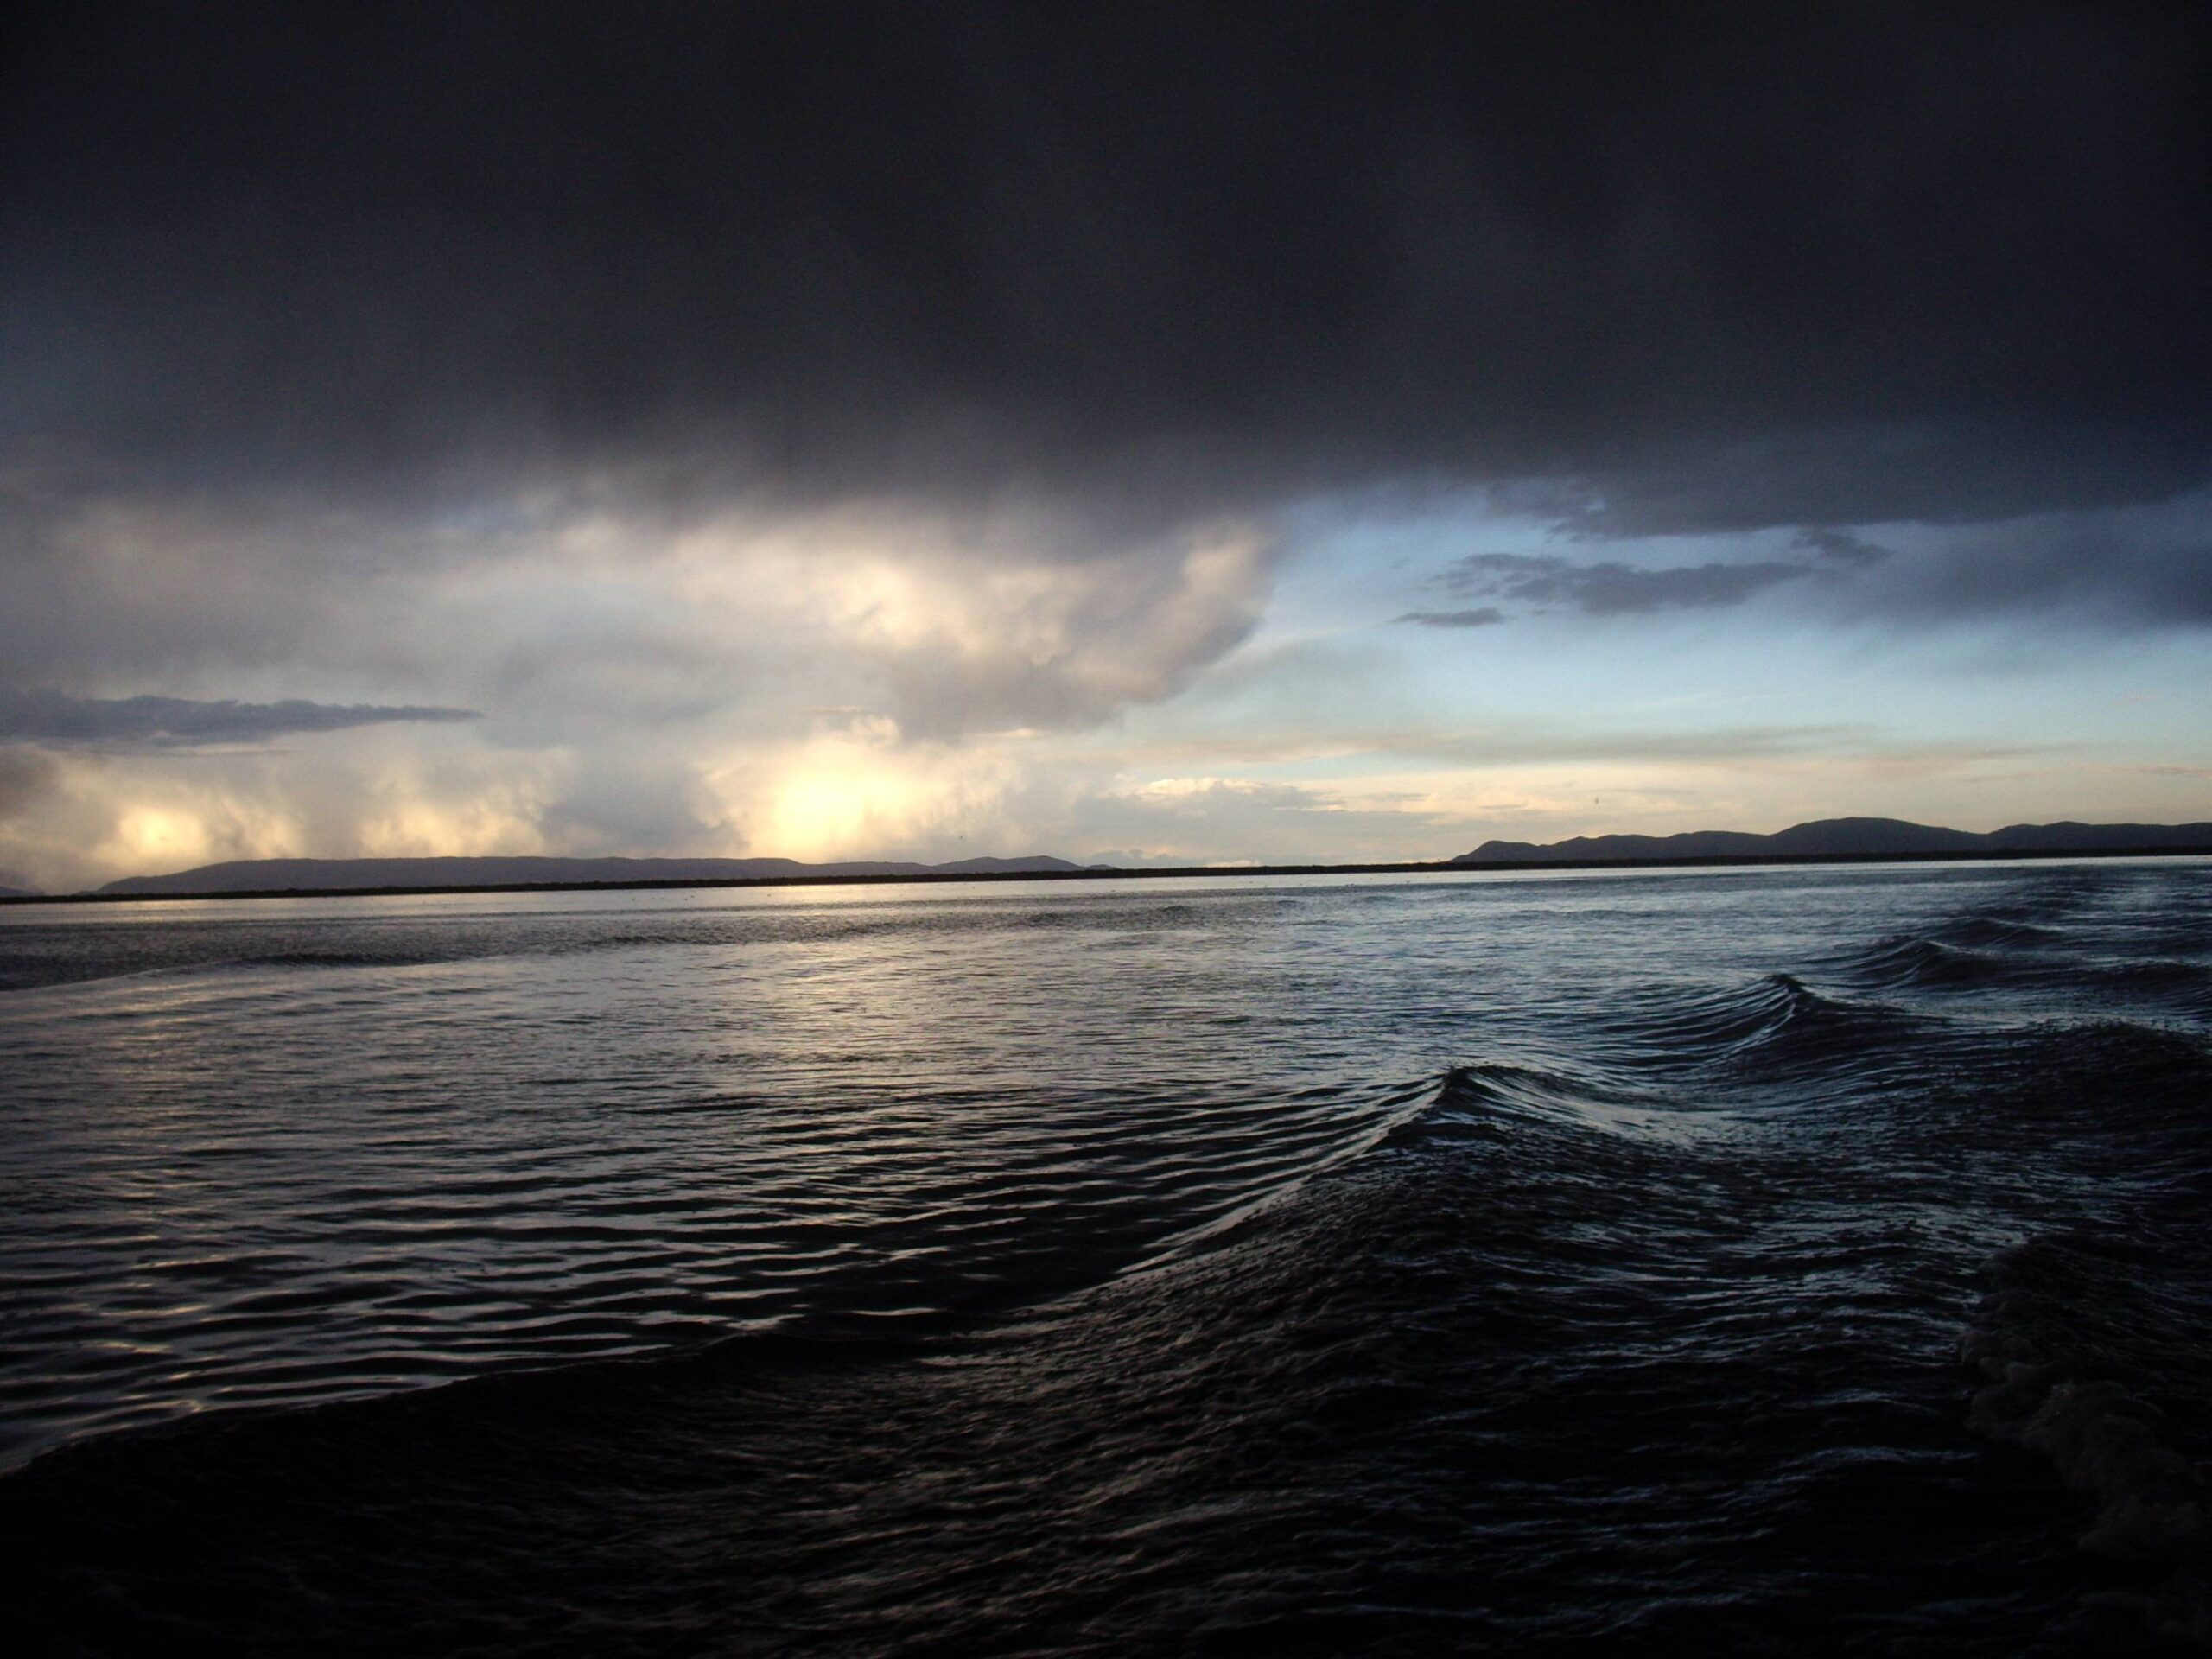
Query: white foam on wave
point(2106, 1441)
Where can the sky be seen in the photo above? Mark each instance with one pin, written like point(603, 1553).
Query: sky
point(1147, 433)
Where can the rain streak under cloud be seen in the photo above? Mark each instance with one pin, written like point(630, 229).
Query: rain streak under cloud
point(1134, 433)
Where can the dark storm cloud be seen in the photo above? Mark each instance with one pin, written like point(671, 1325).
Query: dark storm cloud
point(1610, 588)
point(54, 719)
point(1185, 256)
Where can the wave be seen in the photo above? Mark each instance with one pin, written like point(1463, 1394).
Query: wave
point(451, 1241)
point(2181, 983)
point(2087, 975)
point(1775, 1021)
point(1915, 960)
point(1489, 1092)
point(2115, 1098)
point(47, 954)
point(2001, 929)
point(1805, 1035)
point(54, 955)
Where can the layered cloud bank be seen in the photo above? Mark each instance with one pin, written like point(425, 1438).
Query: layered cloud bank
point(48, 717)
point(896, 431)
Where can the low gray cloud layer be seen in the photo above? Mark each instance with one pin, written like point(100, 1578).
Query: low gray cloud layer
point(53, 719)
point(2115, 569)
point(1610, 588)
point(2086, 569)
point(26, 776)
point(1970, 469)
point(1485, 616)
point(1841, 546)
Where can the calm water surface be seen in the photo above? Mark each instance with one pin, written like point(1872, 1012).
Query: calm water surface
point(1767, 1260)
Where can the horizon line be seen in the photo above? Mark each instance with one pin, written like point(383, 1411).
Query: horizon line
point(1112, 872)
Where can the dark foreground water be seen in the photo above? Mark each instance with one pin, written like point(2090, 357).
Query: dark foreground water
point(1747, 1262)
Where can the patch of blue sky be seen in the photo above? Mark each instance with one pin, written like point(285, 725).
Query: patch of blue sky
point(1815, 656)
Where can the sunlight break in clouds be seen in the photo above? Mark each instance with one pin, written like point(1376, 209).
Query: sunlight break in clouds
point(686, 711)
point(854, 788)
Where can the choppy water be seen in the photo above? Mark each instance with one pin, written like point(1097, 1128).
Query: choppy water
point(1775, 1261)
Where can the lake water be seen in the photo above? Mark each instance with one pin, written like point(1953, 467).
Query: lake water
point(1761, 1260)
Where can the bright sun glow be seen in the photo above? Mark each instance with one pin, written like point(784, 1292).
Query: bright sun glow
point(152, 837)
point(861, 793)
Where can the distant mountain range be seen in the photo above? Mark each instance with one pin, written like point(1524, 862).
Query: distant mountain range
point(1851, 838)
point(282, 874)
point(1826, 838)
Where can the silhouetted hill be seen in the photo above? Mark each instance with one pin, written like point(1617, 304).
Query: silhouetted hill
point(1849, 838)
point(279, 874)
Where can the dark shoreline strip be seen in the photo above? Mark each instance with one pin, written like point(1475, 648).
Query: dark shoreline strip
point(1487, 866)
